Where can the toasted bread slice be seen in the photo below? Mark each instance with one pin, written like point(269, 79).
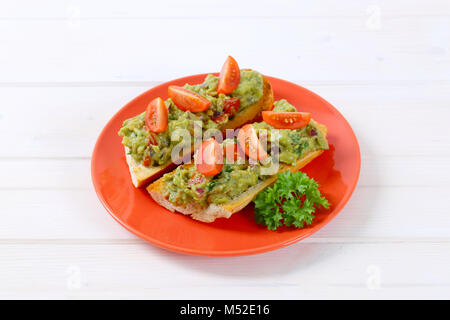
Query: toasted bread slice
point(214, 211)
point(251, 112)
point(141, 174)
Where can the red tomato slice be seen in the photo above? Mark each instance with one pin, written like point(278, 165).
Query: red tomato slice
point(221, 118)
point(188, 100)
point(286, 120)
point(209, 158)
point(156, 116)
point(249, 142)
point(147, 160)
point(230, 76)
point(233, 153)
point(197, 179)
point(231, 106)
point(152, 139)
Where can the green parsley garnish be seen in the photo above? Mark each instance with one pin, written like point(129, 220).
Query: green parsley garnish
point(291, 201)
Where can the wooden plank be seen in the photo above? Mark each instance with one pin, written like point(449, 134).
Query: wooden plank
point(124, 50)
point(64, 122)
point(56, 214)
point(59, 122)
point(373, 214)
point(140, 9)
point(58, 174)
point(301, 271)
point(67, 67)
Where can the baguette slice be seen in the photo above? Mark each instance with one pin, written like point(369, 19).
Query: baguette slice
point(141, 174)
point(214, 211)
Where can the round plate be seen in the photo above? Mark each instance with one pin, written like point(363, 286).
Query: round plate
point(336, 170)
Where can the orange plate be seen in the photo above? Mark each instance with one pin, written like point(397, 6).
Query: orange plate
point(336, 170)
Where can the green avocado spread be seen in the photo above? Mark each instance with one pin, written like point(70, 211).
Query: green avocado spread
point(136, 137)
point(186, 185)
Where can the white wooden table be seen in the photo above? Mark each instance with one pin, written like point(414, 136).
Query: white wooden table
point(67, 66)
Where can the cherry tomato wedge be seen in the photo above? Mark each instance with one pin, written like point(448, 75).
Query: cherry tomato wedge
point(188, 100)
point(233, 153)
point(286, 120)
point(220, 118)
point(156, 116)
point(249, 142)
point(147, 160)
point(231, 106)
point(152, 139)
point(196, 179)
point(230, 76)
point(209, 158)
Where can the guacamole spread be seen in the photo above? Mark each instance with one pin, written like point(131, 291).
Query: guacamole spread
point(136, 136)
point(186, 185)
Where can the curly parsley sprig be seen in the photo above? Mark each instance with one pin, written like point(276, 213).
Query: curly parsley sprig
point(291, 201)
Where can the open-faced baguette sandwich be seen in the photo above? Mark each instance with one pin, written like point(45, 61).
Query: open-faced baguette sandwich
point(225, 102)
point(208, 190)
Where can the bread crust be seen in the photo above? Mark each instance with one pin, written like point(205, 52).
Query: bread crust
point(253, 111)
point(141, 175)
point(214, 211)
